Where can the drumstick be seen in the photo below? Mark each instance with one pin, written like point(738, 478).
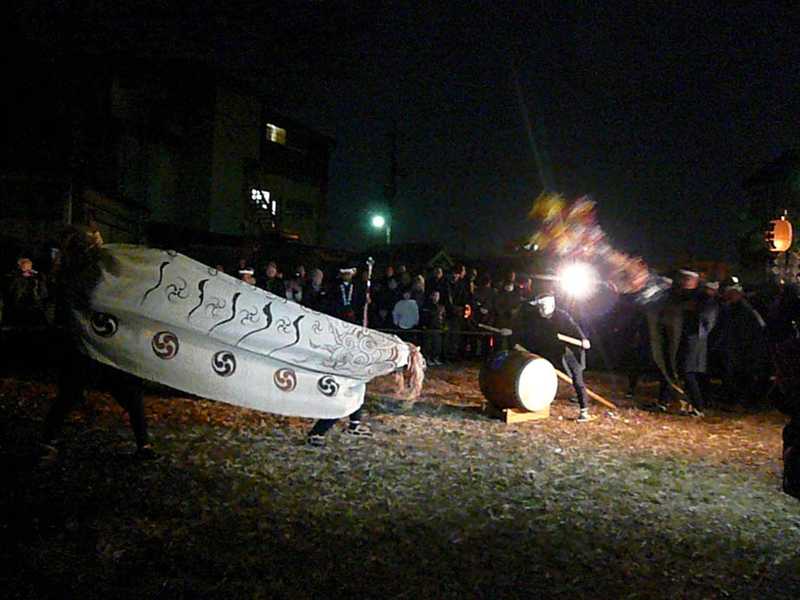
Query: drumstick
point(567, 379)
point(503, 331)
point(570, 340)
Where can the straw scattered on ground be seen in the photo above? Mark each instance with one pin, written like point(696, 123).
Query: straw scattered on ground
point(443, 502)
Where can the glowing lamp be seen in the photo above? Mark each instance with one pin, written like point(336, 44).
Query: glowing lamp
point(779, 235)
point(378, 221)
point(578, 280)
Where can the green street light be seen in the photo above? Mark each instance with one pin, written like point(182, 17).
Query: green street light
point(381, 222)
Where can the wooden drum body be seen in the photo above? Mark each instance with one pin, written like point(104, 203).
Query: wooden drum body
point(516, 379)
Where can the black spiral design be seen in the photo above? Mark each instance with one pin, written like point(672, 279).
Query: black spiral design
point(328, 386)
point(104, 324)
point(285, 380)
point(165, 345)
point(224, 363)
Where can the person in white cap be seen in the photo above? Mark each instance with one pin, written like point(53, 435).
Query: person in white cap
point(343, 300)
point(247, 275)
point(545, 330)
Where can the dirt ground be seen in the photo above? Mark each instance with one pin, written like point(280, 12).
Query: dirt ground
point(443, 502)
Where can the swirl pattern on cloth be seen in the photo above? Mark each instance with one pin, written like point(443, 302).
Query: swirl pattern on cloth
point(165, 345)
point(285, 379)
point(167, 318)
point(224, 363)
point(104, 324)
point(357, 351)
point(327, 386)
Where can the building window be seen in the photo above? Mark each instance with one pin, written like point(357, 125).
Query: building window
point(276, 134)
point(263, 202)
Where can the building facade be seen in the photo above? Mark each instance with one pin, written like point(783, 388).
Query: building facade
point(155, 152)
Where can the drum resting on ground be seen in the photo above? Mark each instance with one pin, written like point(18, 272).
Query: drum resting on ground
point(516, 379)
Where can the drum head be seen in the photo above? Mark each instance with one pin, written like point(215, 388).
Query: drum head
point(537, 384)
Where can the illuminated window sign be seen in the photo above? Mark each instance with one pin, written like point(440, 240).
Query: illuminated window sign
point(276, 134)
point(262, 201)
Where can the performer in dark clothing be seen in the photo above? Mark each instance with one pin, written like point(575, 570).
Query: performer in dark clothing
point(741, 344)
point(77, 370)
point(344, 296)
point(541, 330)
point(460, 297)
point(432, 318)
point(665, 329)
point(699, 319)
point(483, 312)
point(631, 329)
point(507, 306)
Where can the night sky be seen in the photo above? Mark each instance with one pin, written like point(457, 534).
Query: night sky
point(659, 114)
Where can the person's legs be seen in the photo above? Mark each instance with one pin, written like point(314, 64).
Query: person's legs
point(693, 390)
point(128, 391)
point(436, 345)
point(322, 426)
point(574, 369)
point(73, 378)
point(316, 437)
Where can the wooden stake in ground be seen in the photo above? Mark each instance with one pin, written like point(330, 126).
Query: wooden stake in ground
point(567, 379)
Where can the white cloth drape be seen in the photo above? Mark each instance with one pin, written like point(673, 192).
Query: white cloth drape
point(167, 318)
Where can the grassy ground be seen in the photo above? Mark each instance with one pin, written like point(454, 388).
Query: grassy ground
point(442, 503)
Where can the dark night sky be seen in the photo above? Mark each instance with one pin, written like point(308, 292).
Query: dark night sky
point(658, 113)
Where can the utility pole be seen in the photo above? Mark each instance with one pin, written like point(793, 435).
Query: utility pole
point(390, 189)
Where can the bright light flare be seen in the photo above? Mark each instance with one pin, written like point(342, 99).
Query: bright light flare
point(578, 280)
point(378, 221)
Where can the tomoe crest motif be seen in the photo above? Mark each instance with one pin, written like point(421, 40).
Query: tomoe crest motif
point(165, 345)
point(104, 324)
point(224, 363)
point(328, 386)
point(285, 379)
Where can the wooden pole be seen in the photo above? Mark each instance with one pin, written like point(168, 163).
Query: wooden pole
point(567, 379)
point(505, 331)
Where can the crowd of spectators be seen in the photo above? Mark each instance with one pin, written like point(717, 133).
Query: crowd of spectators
point(441, 311)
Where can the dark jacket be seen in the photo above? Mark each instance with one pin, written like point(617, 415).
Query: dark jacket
point(541, 334)
point(273, 285)
point(741, 339)
point(316, 298)
point(699, 319)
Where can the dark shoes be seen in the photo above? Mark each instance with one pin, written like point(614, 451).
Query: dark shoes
point(358, 429)
point(354, 429)
point(316, 440)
